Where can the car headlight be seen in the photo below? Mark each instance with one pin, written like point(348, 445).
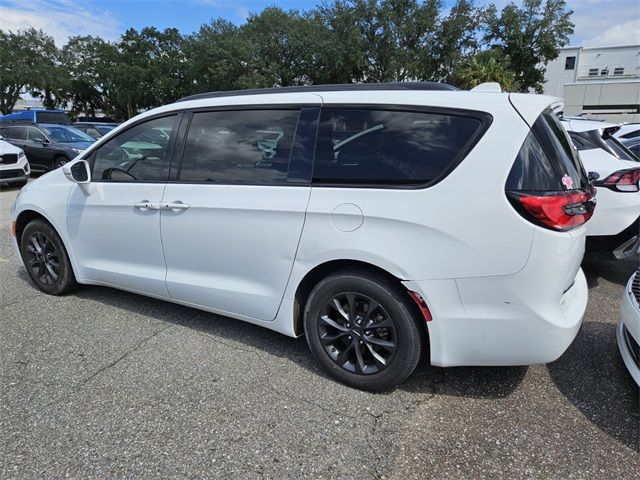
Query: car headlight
point(77, 150)
point(21, 155)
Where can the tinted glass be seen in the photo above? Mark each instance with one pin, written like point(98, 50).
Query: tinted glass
point(52, 117)
point(532, 170)
point(246, 146)
point(634, 134)
point(592, 139)
point(15, 133)
point(35, 135)
point(389, 147)
point(619, 150)
point(105, 129)
point(62, 134)
point(557, 146)
point(138, 154)
point(585, 140)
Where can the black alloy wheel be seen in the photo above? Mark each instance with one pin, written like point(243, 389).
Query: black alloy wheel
point(46, 259)
point(42, 259)
point(357, 333)
point(364, 329)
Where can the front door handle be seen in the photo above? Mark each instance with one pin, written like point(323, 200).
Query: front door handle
point(178, 205)
point(146, 205)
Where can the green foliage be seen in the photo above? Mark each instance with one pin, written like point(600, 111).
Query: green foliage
point(488, 66)
point(339, 42)
point(530, 36)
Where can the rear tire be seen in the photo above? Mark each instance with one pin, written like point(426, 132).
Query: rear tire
point(46, 259)
point(362, 329)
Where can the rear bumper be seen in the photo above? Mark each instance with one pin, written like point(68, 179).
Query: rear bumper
point(526, 318)
point(490, 325)
point(628, 333)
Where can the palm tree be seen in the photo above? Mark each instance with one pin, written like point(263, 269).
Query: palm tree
point(488, 66)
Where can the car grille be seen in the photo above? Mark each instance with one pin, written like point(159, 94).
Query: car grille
point(9, 158)
point(18, 172)
point(632, 345)
point(635, 286)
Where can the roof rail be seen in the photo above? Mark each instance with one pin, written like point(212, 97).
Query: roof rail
point(347, 87)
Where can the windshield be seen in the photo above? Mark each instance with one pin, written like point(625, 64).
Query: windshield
point(597, 139)
point(619, 150)
point(62, 134)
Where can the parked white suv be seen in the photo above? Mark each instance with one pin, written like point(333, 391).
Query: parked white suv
point(615, 226)
point(14, 166)
point(381, 221)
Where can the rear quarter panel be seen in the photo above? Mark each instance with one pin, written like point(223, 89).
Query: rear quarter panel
point(463, 226)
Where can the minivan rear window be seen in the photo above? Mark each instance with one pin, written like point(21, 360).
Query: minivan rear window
point(367, 146)
point(547, 160)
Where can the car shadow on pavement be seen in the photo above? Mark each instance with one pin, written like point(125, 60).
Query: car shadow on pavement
point(475, 382)
point(592, 376)
point(615, 271)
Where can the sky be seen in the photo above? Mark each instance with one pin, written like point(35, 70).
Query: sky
point(597, 22)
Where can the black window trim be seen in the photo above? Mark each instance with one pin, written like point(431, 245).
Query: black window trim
point(179, 114)
point(485, 118)
point(179, 158)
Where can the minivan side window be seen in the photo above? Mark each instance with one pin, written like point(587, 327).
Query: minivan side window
point(138, 154)
point(240, 146)
point(390, 147)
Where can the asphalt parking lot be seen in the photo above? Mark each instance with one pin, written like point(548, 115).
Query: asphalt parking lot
point(107, 384)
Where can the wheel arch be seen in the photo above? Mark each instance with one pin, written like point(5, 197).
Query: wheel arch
point(320, 271)
point(27, 216)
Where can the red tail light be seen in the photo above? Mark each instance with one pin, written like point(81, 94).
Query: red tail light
point(622, 181)
point(560, 211)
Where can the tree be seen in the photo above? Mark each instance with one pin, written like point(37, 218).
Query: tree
point(454, 40)
point(84, 60)
point(218, 58)
point(282, 52)
point(29, 62)
point(487, 66)
point(529, 36)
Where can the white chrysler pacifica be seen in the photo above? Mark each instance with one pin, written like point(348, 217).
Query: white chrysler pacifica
point(380, 221)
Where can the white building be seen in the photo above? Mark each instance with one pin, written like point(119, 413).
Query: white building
point(603, 82)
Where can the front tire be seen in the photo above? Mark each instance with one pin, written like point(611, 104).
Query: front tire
point(59, 162)
point(362, 329)
point(46, 259)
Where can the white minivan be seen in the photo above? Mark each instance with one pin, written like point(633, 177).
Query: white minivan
point(380, 221)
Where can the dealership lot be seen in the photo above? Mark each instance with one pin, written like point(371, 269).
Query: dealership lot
point(106, 383)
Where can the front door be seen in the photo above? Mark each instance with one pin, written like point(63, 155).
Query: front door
point(232, 222)
point(114, 221)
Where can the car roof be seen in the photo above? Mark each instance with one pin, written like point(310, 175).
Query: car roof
point(579, 124)
point(349, 87)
